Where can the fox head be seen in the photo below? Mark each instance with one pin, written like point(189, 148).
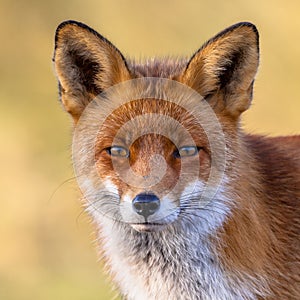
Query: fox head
point(151, 154)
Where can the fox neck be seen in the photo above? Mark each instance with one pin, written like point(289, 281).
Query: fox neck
point(244, 241)
point(162, 265)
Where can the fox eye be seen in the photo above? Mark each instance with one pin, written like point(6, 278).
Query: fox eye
point(186, 151)
point(117, 151)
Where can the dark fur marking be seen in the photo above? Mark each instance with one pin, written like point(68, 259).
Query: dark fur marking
point(227, 30)
point(233, 64)
point(87, 70)
point(79, 24)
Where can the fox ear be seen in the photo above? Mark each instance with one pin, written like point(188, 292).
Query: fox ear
point(223, 69)
point(85, 64)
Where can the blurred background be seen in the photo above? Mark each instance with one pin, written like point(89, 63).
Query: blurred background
point(47, 248)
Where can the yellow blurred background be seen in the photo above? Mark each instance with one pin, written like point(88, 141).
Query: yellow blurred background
point(46, 242)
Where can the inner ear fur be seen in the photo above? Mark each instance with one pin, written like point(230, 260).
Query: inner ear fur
point(224, 68)
point(85, 64)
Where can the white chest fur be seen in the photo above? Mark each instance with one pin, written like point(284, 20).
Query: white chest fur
point(165, 265)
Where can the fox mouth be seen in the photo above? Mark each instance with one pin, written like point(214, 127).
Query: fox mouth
point(148, 227)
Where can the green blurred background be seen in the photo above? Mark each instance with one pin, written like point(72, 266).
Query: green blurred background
point(46, 242)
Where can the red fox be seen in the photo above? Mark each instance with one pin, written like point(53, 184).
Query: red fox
point(186, 205)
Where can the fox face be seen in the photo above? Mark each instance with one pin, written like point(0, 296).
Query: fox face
point(143, 165)
point(153, 152)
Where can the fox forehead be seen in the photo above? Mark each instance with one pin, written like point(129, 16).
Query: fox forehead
point(156, 119)
point(169, 67)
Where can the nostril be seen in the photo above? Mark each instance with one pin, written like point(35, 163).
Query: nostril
point(146, 204)
point(138, 207)
point(153, 206)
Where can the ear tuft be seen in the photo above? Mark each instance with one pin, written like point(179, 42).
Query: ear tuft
point(225, 66)
point(86, 64)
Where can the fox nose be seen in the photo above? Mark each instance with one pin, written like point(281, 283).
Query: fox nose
point(146, 205)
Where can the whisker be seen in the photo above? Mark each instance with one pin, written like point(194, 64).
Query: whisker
point(59, 187)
